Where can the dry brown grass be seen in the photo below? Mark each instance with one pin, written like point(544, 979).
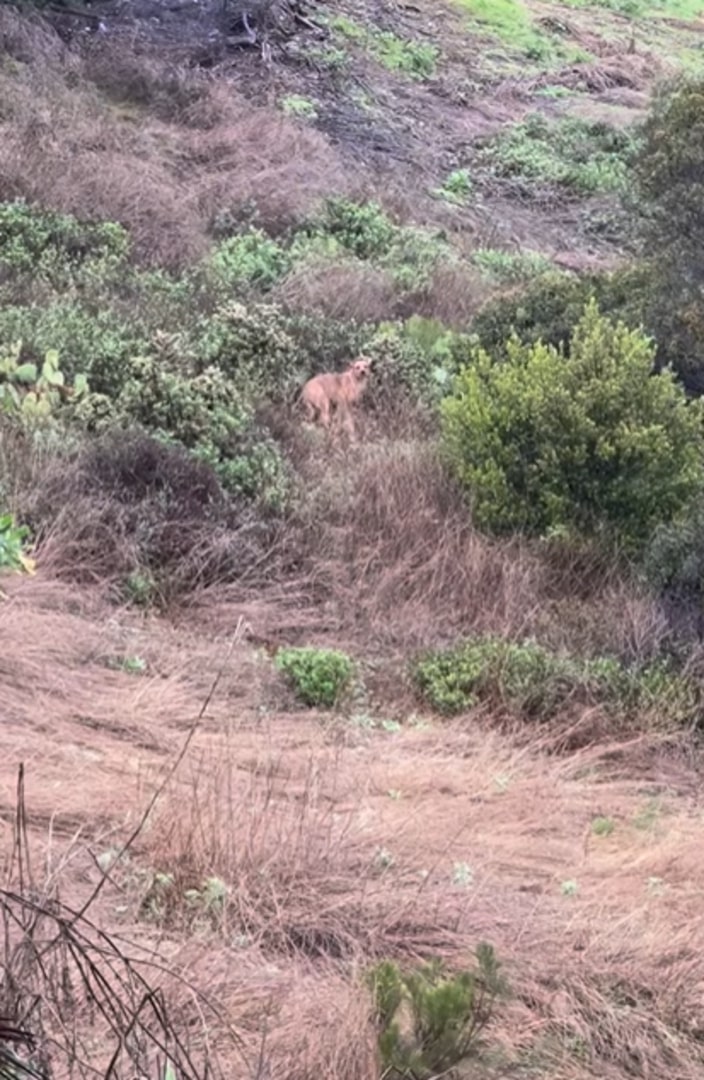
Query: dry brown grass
point(159, 151)
point(338, 290)
point(388, 538)
point(125, 505)
point(339, 844)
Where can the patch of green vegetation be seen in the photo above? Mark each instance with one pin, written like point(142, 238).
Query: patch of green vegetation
point(250, 258)
point(296, 105)
point(31, 393)
point(415, 58)
point(508, 19)
point(13, 543)
point(319, 676)
point(431, 1020)
point(571, 155)
point(603, 826)
point(549, 308)
point(679, 9)
point(507, 267)
point(554, 91)
point(457, 187)
point(349, 28)
point(365, 231)
point(595, 447)
point(55, 246)
point(536, 682)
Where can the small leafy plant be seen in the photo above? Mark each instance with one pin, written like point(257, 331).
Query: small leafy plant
point(457, 187)
point(318, 676)
point(13, 539)
point(430, 1020)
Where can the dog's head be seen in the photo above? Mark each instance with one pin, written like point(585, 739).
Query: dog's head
point(361, 368)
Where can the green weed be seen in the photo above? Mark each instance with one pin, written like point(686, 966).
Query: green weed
point(603, 826)
point(13, 543)
point(457, 187)
point(250, 258)
point(296, 105)
point(415, 58)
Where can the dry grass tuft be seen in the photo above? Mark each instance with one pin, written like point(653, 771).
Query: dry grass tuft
point(305, 876)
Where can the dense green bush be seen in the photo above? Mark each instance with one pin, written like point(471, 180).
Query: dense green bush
point(431, 1020)
point(251, 258)
point(319, 676)
point(535, 682)
point(44, 243)
point(550, 307)
point(209, 416)
point(674, 559)
point(249, 344)
point(592, 443)
point(96, 343)
point(669, 195)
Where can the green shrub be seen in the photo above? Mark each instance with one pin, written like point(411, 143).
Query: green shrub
point(535, 682)
point(44, 243)
point(362, 228)
point(319, 676)
point(548, 309)
point(207, 415)
point(572, 155)
point(403, 363)
point(248, 344)
point(30, 393)
point(507, 267)
point(430, 1020)
point(457, 187)
point(593, 443)
point(674, 559)
point(669, 198)
point(97, 344)
point(251, 258)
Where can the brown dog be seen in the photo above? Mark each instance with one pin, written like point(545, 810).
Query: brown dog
point(329, 395)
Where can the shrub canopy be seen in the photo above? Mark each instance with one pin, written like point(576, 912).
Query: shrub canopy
point(594, 443)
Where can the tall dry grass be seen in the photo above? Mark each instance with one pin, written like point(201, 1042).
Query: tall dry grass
point(385, 535)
